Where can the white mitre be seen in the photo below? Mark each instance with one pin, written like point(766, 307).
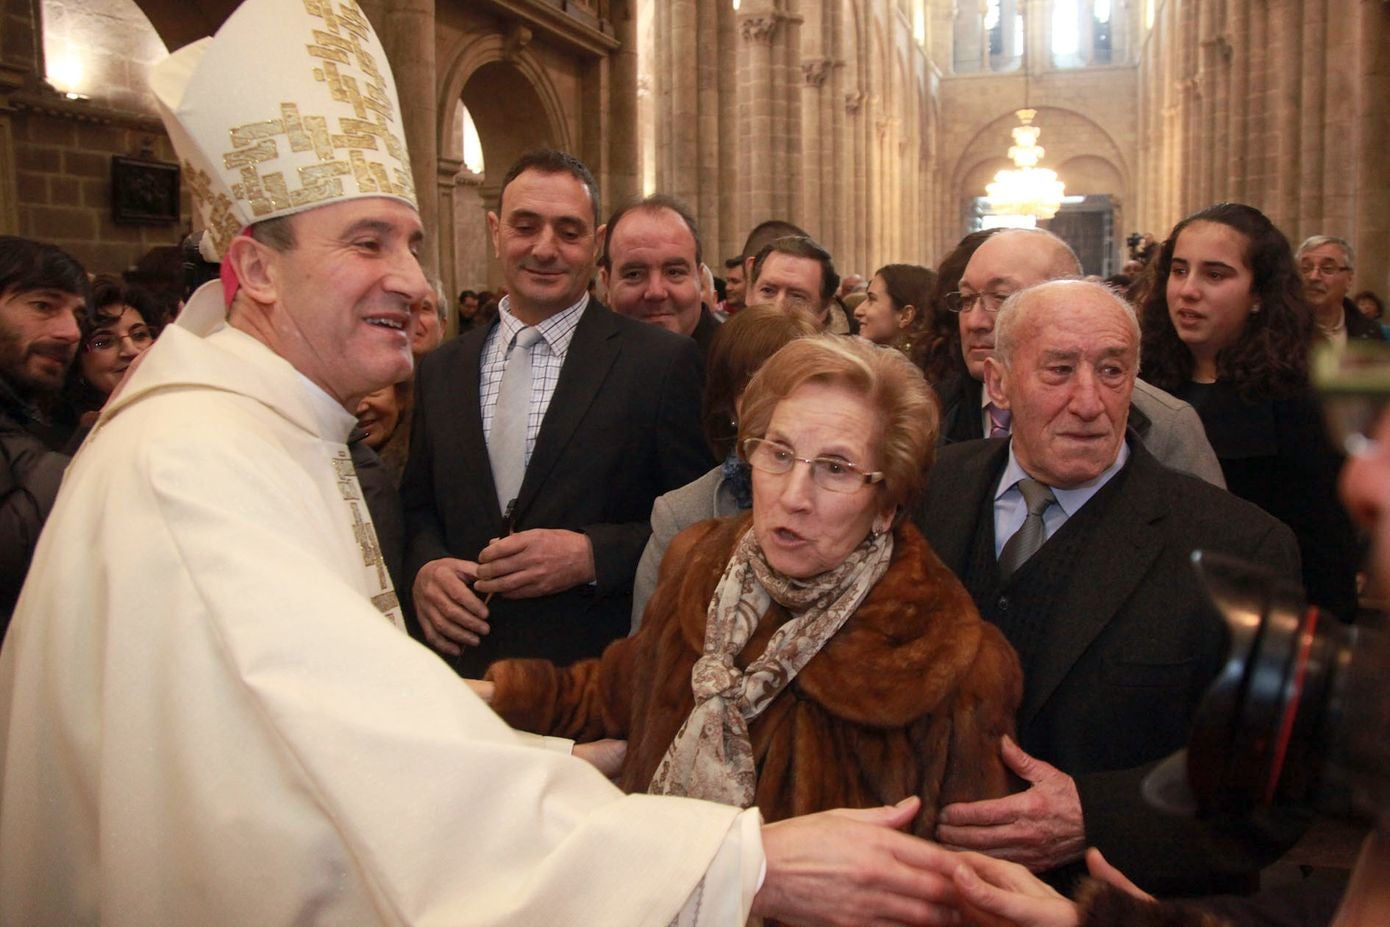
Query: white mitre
point(290, 106)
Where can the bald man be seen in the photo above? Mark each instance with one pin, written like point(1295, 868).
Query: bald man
point(1010, 261)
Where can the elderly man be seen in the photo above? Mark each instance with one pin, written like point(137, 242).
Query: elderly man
point(528, 501)
point(797, 275)
point(1327, 264)
point(41, 289)
point(208, 712)
point(1074, 540)
point(651, 268)
point(1007, 262)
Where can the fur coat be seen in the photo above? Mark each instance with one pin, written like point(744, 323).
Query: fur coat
point(910, 697)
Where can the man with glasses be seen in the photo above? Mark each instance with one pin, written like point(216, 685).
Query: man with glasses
point(1327, 264)
point(1010, 261)
point(41, 289)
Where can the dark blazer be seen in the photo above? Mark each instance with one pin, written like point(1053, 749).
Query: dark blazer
point(1130, 650)
point(622, 428)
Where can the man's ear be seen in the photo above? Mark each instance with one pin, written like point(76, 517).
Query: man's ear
point(493, 224)
point(996, 381)
point(603, 278)
point(598, 240)
point(254, 266)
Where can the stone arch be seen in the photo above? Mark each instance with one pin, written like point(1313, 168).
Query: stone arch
point(1067, 135)
point(487, 59)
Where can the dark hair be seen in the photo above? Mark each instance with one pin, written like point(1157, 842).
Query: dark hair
point(1375, 301)
point(769, 230)
point(1270, 360)
point(652, 204)
point(912, 285)
point(733, 262)
point(551, 161)
point(102, 309)
point(27, 265)
point(464, 294)
point(943, 360)
point(804, 247)
point(736, 351)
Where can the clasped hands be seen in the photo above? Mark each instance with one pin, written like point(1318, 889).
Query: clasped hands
point(451, 594)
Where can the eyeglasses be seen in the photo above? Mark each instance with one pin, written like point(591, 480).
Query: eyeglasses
point(1355, 387)
point(1325, 269)
point(965, 302)
point(101, 342)
point(828, 472)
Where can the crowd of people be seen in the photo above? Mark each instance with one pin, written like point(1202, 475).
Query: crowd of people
point(871, 595)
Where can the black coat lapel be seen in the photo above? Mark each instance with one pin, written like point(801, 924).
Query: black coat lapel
point(1118, 554)
point(592, 352)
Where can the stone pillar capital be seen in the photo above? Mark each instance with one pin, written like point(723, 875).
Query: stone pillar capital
point(758, 29)
point(816, 71)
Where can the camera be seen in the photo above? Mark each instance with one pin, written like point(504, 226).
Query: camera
point(1299, 716)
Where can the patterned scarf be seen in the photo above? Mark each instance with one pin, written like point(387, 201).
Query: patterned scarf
point(711, 756)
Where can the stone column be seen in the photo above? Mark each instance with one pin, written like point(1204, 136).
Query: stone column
point(793, 170)
point(815, 141)
point(756, 118)
point(1237, 121)
point(731, 230)
point(1285, 48)
point(1372, 115)
point(407, 33)
point(624, 176)
point(682, 101)
point(706, 204)
point(1312, 134)
point(447, 243)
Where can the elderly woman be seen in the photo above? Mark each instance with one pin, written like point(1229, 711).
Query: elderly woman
point(816, 654)
point(739, 347)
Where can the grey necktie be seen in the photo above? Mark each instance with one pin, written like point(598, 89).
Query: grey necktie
point(507, 442)
point(1030, 537)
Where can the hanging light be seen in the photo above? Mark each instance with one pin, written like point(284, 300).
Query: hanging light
point(1026, 189)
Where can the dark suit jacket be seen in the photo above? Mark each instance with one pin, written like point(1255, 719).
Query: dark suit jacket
point(1131, 649)
point(621, 429)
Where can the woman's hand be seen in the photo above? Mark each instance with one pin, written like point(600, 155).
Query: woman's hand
point(606, 755)
point(482, 688)
point(997, 893)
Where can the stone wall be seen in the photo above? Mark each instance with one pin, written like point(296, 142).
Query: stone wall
point(1284, 106)
point(56, 152)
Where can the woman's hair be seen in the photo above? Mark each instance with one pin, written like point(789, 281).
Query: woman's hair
point(1271, 358)
point(109, 295)
point(890, 383)
point(943, 360)
point(912, 285)
point(1375, 301)
point(739, 347)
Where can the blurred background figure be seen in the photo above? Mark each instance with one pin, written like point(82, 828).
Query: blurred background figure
point(897, 310)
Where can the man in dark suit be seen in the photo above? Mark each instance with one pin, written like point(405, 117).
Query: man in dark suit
point(1076, 542)
point(1327, 264)
point(540, 442)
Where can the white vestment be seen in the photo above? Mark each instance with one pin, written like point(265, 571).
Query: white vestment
point(206, 719)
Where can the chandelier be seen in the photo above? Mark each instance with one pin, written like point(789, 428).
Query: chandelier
point(1026, 189)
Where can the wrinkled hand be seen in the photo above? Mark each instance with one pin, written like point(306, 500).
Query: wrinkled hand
point(853, 867)
point(997, 893)
point(606, 755)
point(451, 616)
point(535, 562)
point(1041, 827)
